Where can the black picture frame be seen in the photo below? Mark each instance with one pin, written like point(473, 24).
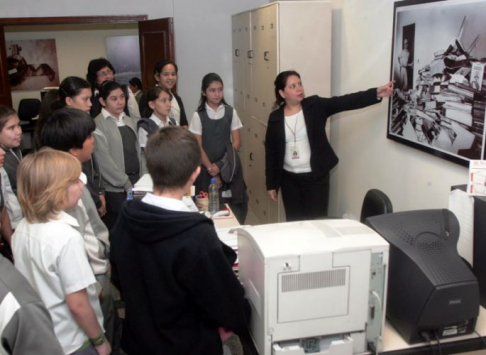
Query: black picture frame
point(438, 63)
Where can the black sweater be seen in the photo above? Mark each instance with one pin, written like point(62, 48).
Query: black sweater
point(177, 282)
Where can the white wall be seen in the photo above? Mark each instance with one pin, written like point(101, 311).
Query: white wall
point(203, 44)
point(362, 39)
point(202, 31)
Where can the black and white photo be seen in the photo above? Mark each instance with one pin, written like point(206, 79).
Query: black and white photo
point(438, 59)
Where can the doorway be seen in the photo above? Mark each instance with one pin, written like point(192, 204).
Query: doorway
point(161, 43)
point(408, 44)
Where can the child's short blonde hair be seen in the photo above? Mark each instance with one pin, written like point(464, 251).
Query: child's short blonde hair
point(43, 179)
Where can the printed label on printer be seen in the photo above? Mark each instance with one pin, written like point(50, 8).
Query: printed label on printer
point(449, 331)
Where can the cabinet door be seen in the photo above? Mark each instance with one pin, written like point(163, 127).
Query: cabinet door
point(245, 120)
point(268, 61)
point(298, 48)
point(264, 67)
point(252, 172)
point(256, 170)
point(241, 68)
point(247, 61)
point(261, 196)
point(256, 43)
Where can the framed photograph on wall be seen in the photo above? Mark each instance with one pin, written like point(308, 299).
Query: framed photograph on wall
point(32, 64)
point(123, 52)
point(438, 60)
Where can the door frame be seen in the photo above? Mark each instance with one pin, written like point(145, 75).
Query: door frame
point(71, 20)
point(5, 91)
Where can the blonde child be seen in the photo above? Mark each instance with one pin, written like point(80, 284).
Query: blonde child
point(51, 254)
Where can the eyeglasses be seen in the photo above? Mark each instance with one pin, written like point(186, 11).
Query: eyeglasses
point(103, 74)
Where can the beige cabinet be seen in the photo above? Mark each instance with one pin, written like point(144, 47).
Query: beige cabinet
point(286, 35)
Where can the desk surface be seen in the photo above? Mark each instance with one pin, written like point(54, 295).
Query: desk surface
point(226, 222)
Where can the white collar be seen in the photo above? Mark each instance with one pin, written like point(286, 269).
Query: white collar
point(66, 218)
point(106, 114)
point(158, 121)
point(167, 203)
point(221, 106)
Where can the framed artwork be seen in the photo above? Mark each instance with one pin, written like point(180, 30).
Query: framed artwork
point(123, 52)
point(438, 60)
point(32, 64)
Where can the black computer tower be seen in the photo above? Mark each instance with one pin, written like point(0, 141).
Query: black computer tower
point(479, 241)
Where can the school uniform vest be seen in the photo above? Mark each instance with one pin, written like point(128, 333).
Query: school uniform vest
point(216, 133)
point(130, 154)
point(151, 127)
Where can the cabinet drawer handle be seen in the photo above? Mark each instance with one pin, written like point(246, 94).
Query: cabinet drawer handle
point(249, 54)
point(265, 55)
point(251, 156)
point(237, 52)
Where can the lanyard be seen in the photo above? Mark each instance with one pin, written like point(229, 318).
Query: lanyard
point(294, 131)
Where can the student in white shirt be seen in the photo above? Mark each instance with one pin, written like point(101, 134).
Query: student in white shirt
point(99, 71)
point(159, 102)
point(165, 74)
point(6, 229)
point(216, 126)
point(71, 130)
point(117, 150)
point(10, 137)
point(51, 254)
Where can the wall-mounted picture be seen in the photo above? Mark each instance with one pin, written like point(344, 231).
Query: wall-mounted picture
point(32, 64)
point(123, 52)
point(438, 60)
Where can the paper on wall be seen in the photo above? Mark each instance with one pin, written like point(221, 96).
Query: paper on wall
point(477, 178)
point(462, 205)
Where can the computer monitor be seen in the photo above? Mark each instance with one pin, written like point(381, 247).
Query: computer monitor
point(432, 293)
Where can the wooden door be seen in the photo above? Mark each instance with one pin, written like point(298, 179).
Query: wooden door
point(5, 96)
point(156, 43)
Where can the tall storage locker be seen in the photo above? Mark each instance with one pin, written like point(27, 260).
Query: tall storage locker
point(280, 36)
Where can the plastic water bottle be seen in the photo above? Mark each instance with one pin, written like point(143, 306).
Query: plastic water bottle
point(130, 194)
point(213, 205)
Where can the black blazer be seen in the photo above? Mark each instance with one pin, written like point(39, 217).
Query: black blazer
point(316, 112)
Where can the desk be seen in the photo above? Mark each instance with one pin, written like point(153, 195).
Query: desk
point(226, 222)
point(393, 343)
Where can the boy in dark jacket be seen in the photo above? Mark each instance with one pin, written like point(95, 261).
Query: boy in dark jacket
point(173, 272)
